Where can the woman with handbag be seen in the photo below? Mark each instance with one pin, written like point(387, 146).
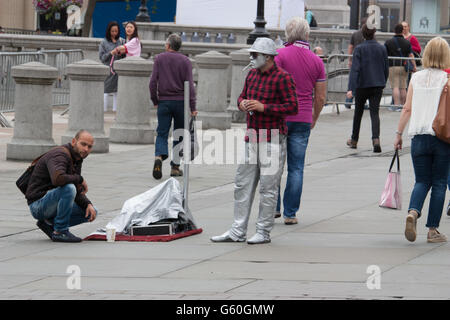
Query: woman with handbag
point(430, 155)
point(107, 53)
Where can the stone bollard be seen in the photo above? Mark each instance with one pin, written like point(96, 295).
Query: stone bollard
point(239, 59)
point(86, 102)
point(212, 102)
point(33, 124)
point(133, 102)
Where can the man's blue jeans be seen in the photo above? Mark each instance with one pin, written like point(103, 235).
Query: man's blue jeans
point(297, 142)
point(430, 158)
point(168, 110)
point(58, 205)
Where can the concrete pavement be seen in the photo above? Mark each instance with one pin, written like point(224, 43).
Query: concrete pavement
point(341, 232)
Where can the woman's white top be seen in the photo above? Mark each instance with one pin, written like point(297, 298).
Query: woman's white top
point(427, 88)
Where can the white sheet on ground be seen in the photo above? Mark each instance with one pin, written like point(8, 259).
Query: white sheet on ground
point(165, 201)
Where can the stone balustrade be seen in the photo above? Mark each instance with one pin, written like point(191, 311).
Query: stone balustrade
point(239, 60)
point(212, 90)
point(330, 39)
point(154, 34)
point(133, 120)
point(33, 111)
point(86, 102)
point(12, 42)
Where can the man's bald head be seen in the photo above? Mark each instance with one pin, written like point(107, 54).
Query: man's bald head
point(82, 143)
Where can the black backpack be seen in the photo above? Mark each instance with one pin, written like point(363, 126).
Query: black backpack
point(24, 179)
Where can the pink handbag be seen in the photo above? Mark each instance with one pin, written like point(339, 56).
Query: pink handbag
point(392, 193)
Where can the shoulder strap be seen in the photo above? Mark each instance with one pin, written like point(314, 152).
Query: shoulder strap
point(395, 157)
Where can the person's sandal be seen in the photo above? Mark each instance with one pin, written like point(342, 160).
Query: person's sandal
point(157, 173)
point(436, 238)
point(410, 229)
point(290, 221)
point(352, 143)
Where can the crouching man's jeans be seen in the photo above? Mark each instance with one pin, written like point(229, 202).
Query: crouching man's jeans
point(264, 163)
point(58, 204)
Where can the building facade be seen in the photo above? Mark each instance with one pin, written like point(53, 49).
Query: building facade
point(17, 14)
point(423, 16)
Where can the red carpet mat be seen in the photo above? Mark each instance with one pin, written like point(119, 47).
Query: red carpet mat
point(167, 238)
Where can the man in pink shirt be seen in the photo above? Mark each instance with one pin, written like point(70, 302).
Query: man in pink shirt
point(308, 72)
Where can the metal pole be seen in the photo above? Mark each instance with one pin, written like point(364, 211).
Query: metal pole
point(260, 30)
point(404, 10)
point(354, 14)
point(186, 146)
point(143, 12)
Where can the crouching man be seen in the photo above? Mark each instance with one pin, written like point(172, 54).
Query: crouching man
point(267, 97)
point(56, 192)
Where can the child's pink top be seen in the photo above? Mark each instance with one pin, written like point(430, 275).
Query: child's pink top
point(133, 48)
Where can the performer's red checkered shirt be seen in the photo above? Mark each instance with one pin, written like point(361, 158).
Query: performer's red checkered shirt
point(276, 90)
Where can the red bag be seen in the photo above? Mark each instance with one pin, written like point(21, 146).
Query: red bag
point(441, 123)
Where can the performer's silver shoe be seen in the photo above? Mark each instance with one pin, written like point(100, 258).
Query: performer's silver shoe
point(225, 238)
point(258, 238)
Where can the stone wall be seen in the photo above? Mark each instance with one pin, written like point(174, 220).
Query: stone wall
point(331, 40)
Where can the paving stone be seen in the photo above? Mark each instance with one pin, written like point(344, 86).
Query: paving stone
point(341, 232)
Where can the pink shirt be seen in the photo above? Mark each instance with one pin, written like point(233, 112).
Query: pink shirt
point(133, 48)
point(306, 68)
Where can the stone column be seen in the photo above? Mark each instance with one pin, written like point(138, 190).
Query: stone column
point(33, 124)
point(212, 90)
point(86, 102)
point(239, 59)
point(133, 105)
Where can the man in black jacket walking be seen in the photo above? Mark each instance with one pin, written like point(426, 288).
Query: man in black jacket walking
point(56, 192)
point(368, 77)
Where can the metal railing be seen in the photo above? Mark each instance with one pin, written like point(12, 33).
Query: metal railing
point(7, 83)
point(55, 58)
point(338, 71)
point(60, 59)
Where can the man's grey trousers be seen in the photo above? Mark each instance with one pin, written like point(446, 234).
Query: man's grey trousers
point(263, 163)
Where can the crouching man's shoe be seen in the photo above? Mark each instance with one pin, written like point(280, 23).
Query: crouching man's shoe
point(65, 236)
point(46, 227)
point(225, 238)
point(258, 238)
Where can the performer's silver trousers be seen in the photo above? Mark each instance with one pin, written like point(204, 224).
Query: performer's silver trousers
point(264, 163)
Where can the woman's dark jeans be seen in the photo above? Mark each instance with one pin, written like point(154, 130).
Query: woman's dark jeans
point(374, 95)
point(431, 158)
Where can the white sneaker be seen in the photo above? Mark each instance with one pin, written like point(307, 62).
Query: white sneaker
point(225, 238)
point(258, 239)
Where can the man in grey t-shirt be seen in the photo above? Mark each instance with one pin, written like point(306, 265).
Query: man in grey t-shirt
point(356, 39)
